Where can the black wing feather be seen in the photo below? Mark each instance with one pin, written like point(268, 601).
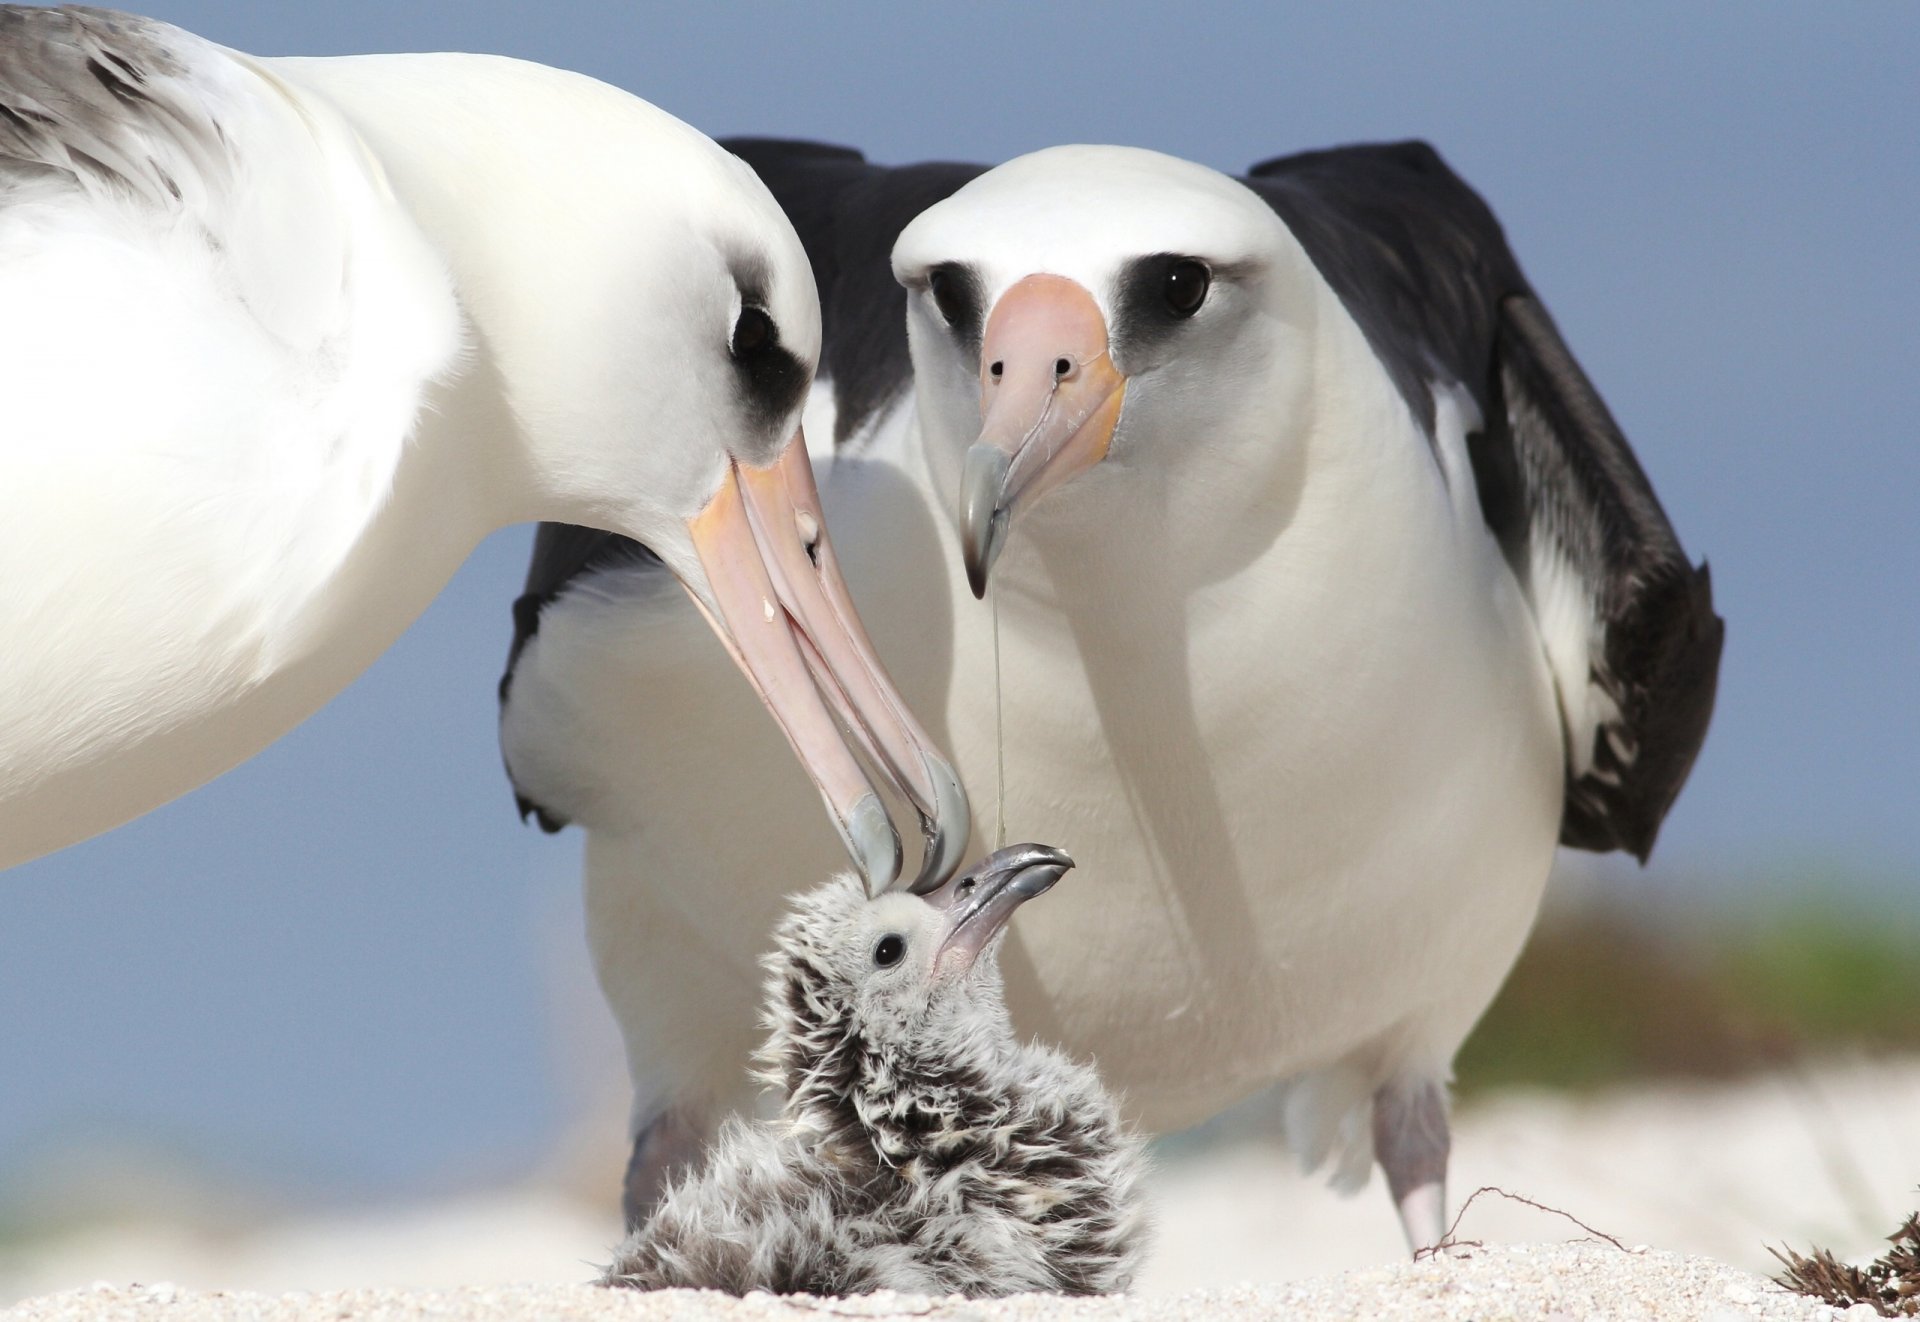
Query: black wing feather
point(1661, 660)
point(1422, 264)
point(1413, 253)
point(562, 554)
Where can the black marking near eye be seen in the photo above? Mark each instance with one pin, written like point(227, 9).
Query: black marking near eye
point(752, 332)
point(1154, 299)
point(772, 379)
point(956, 293)
point(889, 950)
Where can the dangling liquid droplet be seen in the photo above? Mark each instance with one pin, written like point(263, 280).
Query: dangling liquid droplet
point(999, 727)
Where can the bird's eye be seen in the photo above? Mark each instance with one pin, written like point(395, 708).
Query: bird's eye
point(1186, 286)
point(950, 294)
point(888, 952)
point(752, 332)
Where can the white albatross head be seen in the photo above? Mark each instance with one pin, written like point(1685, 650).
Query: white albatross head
point(644, 328)
point(1108, 307)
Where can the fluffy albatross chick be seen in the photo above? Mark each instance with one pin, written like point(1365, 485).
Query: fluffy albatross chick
point(920, 1147)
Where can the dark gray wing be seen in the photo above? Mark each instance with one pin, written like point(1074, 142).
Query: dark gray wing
point(848, 214)
point(1423, 266)
point(563, 555)
point(95, 99)
point(563, 552)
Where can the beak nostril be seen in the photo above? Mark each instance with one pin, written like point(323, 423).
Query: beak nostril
point(997, 369)
point(1062, 366)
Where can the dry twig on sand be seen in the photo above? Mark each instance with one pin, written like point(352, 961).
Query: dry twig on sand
point(1448, 1242)
point(1890, 1283)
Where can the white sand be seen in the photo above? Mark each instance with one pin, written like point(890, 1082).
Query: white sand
point(1708, 1172)
point(1719, 1171)
point(1556, 1281)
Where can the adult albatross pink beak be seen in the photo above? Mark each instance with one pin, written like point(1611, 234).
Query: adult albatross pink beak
point(1050, 398)
point(784, 613)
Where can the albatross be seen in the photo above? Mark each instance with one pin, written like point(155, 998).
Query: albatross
point(285, 338)
point(919, 1145)
point(1328, 598)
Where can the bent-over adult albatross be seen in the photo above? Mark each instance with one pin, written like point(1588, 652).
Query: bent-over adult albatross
point(285, 338)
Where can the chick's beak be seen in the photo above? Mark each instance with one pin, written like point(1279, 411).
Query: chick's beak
point(1050, 398)
point(780, 605)
point(980, 900)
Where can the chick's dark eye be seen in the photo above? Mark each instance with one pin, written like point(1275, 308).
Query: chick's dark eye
point(889, 950)
point(1186, 286)
point(752, 332)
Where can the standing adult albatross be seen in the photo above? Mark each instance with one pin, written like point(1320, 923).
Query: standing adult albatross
point(1347, 601)
point(285, 338)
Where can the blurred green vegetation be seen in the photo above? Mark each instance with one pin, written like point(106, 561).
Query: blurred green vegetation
point(1602, 995)
point(1644, 978)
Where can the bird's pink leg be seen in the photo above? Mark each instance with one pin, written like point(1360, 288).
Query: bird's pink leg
point(666, 1148)
point(1411, 1141)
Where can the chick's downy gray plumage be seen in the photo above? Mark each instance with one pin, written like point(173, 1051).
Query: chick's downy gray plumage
point(919, 1147)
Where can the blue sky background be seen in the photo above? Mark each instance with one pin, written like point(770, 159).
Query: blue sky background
point(334, 970)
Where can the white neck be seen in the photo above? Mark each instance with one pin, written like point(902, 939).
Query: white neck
point(417, 191)
point(518, 181)
point(560, 206)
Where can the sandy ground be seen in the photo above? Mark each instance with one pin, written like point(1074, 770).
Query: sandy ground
point(1553, 1281)
point(1831, 1157)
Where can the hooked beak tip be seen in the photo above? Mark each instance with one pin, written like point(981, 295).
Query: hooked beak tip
point(1039, 879)
point(983, 898)
point(948, 829)
point(875, 845)
point(983, 516)
point(1033, 868)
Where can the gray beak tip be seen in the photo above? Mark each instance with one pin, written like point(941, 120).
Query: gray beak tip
point(948, 828)
point(1034, 868)
point(1039, 879)
point(874, 844)
point(983, 520)
point(982, 899)
point(980, 552)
